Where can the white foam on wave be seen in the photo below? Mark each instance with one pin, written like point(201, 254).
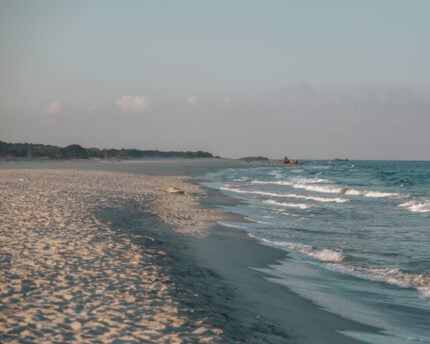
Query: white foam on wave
point(313, 180)
point(258, 221)
point(289, 205)
point(333, 259)
point(230, 225)
point(243, 179)
point(378, 194)
point(321, 188)
point(272, 194)
point(420, 282)
point(267, 241)
point(297, 181)
point(351, 192)
point(279, 182)
point(417, 206)
point(326, 255)
point(309, 185)
point(323, 255)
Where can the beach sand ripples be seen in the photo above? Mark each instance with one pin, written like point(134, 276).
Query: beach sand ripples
point(82, 260)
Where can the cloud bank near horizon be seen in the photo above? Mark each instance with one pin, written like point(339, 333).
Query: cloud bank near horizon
point(301, 96)
point(300, 120)
point(134, 104)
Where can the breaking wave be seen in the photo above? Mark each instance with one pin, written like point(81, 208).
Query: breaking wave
point(417, 206)
point(309, 185)
point(230, 225)
point(289, 205)
point(333, 259)
point(420, 282)
point(272, 194)
point(323, 255)
point(326, 255)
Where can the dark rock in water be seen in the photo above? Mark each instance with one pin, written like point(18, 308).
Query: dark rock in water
point(286, 161)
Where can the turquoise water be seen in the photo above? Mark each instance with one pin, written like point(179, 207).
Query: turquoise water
point(357, 235)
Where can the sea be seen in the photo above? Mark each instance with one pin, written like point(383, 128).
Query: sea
point(356, 235)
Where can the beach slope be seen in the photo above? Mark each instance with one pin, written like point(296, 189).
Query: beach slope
point(92, 256)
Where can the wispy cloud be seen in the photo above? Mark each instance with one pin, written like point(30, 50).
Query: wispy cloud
point(370, 97)
point(134, 104)
point(54, 107)
point(192, 101)
point(91, 109)
point(226, 100)
point(301, 90)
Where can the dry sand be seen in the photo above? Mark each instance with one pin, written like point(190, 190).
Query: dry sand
point(84, 258)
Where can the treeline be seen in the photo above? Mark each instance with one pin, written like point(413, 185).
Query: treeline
point(30, 150)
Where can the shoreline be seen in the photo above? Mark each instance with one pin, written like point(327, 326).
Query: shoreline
point(273, 312)
point(276, 313)
point(201, 273)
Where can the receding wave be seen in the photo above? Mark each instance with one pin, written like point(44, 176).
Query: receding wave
point(323, 255)
point(289, 205)
point(230, 225)
point(272, 194)
point(417, 206)
point(328, 188)
point(257, 221)
point(420, 282)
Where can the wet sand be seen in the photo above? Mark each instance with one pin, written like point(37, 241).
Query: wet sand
point(89, 255)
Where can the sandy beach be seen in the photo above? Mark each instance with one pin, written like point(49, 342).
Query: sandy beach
point(103, 256)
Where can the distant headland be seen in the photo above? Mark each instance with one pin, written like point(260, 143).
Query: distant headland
point(75, 151)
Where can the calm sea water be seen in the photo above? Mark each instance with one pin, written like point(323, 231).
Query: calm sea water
point(357, 234)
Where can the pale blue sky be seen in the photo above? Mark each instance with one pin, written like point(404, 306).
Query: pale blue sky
point(311, 79)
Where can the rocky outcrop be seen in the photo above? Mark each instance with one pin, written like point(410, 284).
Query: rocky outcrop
point(286, 161)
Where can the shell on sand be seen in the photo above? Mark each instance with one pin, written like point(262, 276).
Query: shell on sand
point(172, 189)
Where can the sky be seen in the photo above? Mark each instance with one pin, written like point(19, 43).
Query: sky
point(307, 79)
